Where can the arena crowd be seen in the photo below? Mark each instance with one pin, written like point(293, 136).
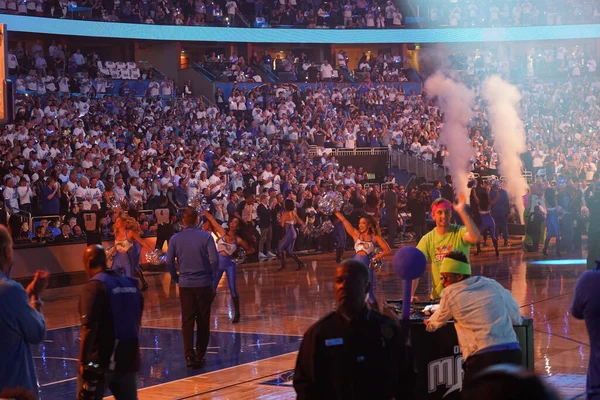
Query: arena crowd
point(315, 14)
point(95, 149)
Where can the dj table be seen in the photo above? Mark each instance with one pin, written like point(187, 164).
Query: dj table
point(438, 358)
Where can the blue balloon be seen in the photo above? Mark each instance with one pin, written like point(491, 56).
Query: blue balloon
point(409, 263)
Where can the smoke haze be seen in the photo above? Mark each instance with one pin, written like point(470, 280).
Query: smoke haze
point(434, 59)
point(456, 102)
point(502, 100)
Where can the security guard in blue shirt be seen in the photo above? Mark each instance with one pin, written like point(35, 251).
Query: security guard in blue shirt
point(111, 308)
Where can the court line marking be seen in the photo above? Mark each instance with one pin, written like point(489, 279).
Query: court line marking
point(261, 344)
point(221, 331)
point(217, 371)
point(57, 382)
point(562, 337)
point(62, 327)
point(546, 299)
point(57, 358)
point(234, 384)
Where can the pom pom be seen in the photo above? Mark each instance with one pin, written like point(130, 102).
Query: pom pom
point(239, 255)
point(155, 257)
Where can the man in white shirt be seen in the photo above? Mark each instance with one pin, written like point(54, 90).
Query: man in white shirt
point(215, 183)
point(11, 199)
point(119, 189)
point(231, 7)
point(590, 170)
point(326, 71)
point(484, 314)
point(95, 192)
point(341, 59)
point(267, 177)
point(72, 182)
point(154, 88)
point(20, 84)
point(350, 140)
point(79, 58)
point(166, 87)
point(135, 191)
point(63, 84)
point(83, 194)
point(12, 62)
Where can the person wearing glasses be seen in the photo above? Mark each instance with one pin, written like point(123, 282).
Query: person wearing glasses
point(446, 237)
point(484, 313)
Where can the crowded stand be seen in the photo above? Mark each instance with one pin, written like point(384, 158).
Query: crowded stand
point(321, 14)
point(58, 70)
point(78, 148)
point(480, 14)
point(541, 61)
point(288, 67)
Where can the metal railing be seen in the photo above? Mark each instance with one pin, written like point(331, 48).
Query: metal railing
point(268, 72)
point(434, 172)
point(24, 215)
point(418, 166)
point(204, 71)
point(41, 217)
point(359, 151)
point(241, 16)
point(206, 101)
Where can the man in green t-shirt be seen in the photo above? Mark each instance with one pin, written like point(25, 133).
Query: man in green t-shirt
point(446, 237)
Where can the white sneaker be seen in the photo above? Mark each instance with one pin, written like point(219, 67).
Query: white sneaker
point(271, 255)
point(262, 257)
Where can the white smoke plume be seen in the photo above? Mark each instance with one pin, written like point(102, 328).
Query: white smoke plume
point(502, 100)
point(456, 102)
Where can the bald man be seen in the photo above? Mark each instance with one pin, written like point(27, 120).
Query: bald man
point(354, 352)
point(111, 308)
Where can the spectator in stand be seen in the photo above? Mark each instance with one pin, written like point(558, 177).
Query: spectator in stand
point(326, 71)
point(50, 197)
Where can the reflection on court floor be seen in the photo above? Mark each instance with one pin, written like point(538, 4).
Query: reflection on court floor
point(162, 356)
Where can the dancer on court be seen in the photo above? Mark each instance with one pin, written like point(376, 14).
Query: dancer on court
point(366, 237)
point(227, 244)
point(552, 225)
point(480, 203)
point(128, 243)
point(288, 222)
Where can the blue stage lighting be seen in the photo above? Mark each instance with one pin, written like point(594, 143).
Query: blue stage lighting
point(579, 261)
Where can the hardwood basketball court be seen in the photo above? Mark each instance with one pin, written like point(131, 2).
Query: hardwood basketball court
point(252, 359)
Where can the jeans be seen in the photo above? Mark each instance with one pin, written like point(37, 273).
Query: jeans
point(122, 386)
point(195, 311)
